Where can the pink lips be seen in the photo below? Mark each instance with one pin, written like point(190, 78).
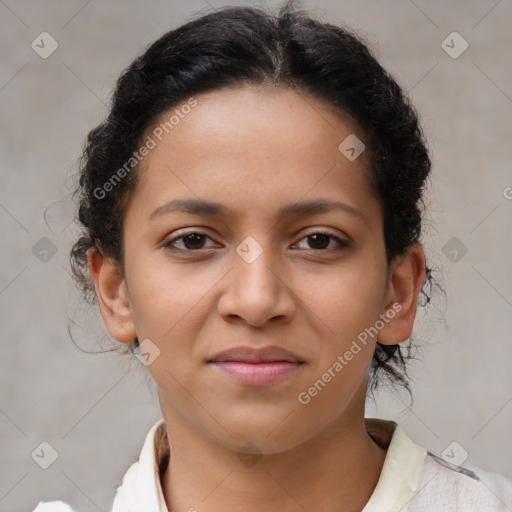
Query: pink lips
point(257, 367)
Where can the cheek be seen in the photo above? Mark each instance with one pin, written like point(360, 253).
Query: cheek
point(170, 305)
point(345, 305)
point(346, 300)
point(163, 296)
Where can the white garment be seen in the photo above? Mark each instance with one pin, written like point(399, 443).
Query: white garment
point(412, 479)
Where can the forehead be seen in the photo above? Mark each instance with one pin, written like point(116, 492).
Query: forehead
point(268, 118)
point(255, 146)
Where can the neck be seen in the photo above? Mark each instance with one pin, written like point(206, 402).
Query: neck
point(340, 465)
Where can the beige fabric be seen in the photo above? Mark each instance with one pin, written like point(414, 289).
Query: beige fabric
point(412, 479)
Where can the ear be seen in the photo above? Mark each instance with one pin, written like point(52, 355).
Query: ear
point(406, 277)
point(112, 294)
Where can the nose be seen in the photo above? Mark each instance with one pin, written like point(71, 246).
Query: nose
point(256, 289)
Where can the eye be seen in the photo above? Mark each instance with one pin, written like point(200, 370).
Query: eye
point(195, 240)
point(192, 241)
point(322, 239)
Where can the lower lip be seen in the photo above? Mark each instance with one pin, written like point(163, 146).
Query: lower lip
point(257, 374)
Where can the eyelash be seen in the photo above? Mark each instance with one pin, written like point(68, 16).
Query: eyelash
point(342, 244)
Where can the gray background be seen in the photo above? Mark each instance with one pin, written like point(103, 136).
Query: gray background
point(95, 410)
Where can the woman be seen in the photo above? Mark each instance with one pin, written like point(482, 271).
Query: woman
point(251, 214)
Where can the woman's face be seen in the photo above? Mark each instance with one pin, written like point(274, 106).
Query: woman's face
point(254, 275)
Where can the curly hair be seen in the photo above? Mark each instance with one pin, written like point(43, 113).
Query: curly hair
point(239, 46)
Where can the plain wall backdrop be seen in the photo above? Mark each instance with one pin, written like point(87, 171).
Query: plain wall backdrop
point(95, 410)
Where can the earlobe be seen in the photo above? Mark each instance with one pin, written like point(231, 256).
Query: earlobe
point(406, 277)
point(113, 297)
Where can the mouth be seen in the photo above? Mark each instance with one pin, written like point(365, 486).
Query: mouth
point(257, 367)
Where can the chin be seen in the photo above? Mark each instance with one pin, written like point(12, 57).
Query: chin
point(262, 434)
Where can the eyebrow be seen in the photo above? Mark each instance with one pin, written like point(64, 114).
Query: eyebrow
point(202, 207)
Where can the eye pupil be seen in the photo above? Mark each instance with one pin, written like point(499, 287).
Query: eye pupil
point(321, 235)
point(192, 239)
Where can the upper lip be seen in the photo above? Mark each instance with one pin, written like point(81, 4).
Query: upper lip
point(256, 355)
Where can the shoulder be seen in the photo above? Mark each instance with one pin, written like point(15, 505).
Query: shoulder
point(444, 486)
point(140, 489)
point(415, 480)
point(53, 506)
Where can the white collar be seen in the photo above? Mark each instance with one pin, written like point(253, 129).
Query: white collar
point(141, 489)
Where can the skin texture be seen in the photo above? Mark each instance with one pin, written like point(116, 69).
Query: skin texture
point(255, 150)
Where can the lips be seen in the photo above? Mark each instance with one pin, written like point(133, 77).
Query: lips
point(251, 355)
point(252, 367)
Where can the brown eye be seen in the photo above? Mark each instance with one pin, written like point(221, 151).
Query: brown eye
point(193, 241)
point(190, 242)
point(320, 241)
